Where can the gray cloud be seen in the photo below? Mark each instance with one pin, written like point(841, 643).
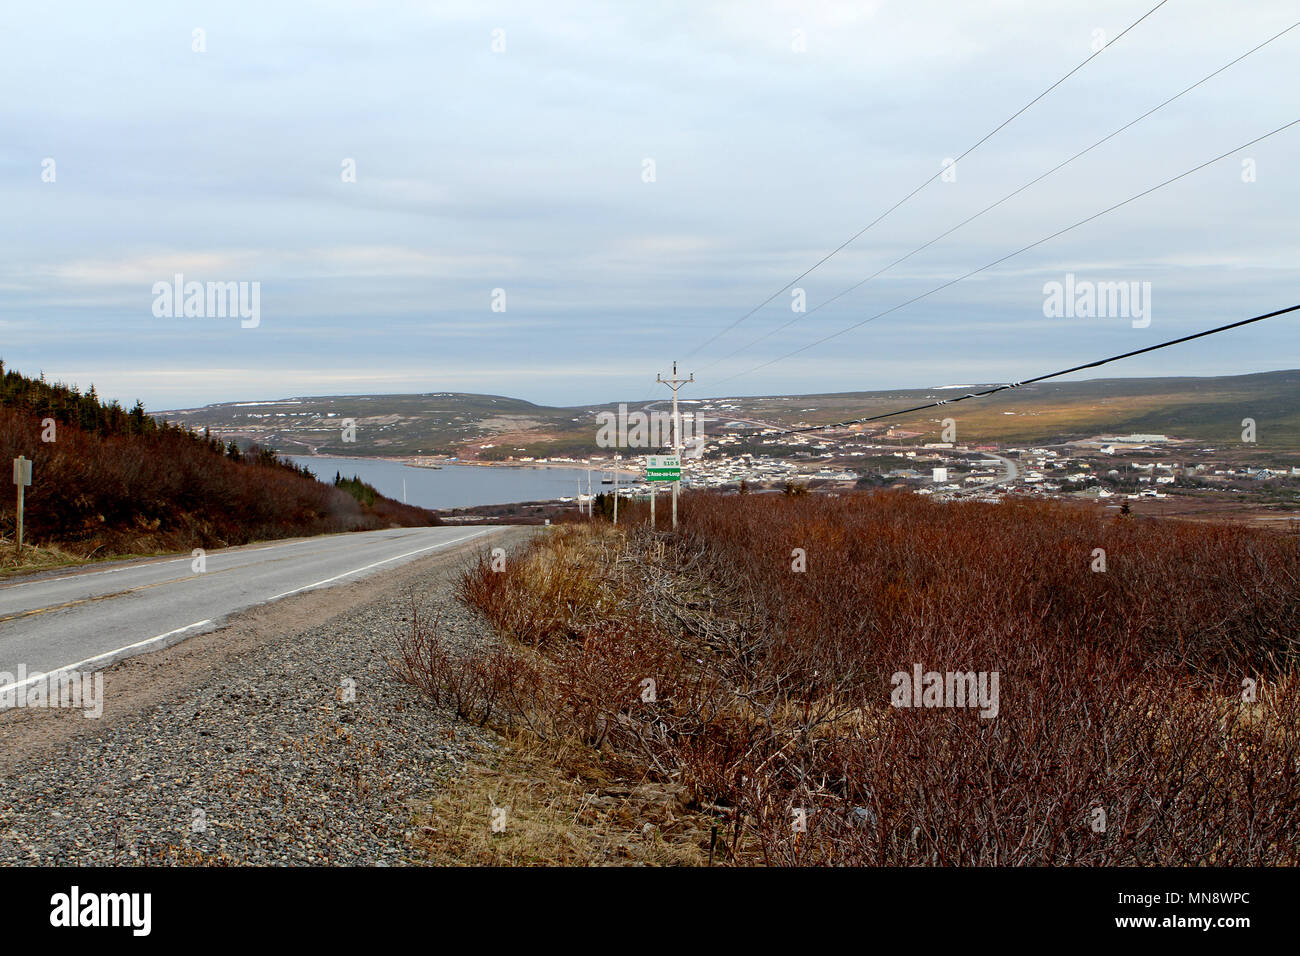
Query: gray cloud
point(522, 171)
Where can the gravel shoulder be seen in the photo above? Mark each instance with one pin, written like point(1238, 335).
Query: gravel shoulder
point(246, 745)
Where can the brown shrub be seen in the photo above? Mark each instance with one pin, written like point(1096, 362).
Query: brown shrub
point(1120, 691)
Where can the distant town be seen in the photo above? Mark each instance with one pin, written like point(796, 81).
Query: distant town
point(1111, 469)
point(1203, 459)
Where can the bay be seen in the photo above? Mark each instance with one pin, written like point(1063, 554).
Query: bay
point(455, 486)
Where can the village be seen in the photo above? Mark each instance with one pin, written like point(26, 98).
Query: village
point(745, 457)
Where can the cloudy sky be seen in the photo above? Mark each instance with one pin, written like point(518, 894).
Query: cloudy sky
point(509, 146)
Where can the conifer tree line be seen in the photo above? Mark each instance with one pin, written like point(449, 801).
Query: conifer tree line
point(67, 405)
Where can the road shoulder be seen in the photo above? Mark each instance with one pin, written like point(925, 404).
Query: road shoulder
point(282, 737)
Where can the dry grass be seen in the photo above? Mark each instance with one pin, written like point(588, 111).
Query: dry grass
point(563, 807)
point(34, 558)
point(1119, 690)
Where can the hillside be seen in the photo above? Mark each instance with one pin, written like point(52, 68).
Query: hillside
point(110, 481)
point(492, 426)
point(433, 423)
point(1201, 408)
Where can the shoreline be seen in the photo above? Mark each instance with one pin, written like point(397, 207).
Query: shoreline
point(432, 462)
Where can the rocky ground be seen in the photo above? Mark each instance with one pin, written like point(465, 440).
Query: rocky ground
point(282, 738)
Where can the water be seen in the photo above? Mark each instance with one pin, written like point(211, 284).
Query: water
point(456, 486)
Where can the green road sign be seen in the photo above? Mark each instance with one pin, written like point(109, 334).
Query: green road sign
point(663, 468)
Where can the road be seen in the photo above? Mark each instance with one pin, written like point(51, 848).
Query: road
point(1012, 473)
point(85, 620)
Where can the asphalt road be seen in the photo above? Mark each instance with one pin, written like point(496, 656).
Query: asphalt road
point(85, 620)
point(1012, 473)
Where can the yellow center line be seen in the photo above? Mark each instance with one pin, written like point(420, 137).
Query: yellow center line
point(155, 584)
point(189, 577)
point(105, 597)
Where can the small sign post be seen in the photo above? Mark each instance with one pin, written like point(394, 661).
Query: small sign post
point(663, 468)
point(22, 478)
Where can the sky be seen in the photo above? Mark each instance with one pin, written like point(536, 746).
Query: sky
point(556, 201)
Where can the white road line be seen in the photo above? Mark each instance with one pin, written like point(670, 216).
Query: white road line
point(107, 656)
point(307, 587)
point(148, 563)
point(100, 657)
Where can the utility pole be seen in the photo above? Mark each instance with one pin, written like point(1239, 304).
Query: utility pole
point(616, 491)
point(590, 500)
point(675, 383)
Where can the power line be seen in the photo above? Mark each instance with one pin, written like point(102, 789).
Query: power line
point(1043, 378)
point(1011, 255)
point(800, 316)
point(927, 182)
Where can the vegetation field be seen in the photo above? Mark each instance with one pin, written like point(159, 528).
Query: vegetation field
point(1207, 409)
point(1125, 688)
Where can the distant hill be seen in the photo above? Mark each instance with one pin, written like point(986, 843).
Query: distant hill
point(431, 423)
point(494, 426)
point(1209, 409)
point(111, 481)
